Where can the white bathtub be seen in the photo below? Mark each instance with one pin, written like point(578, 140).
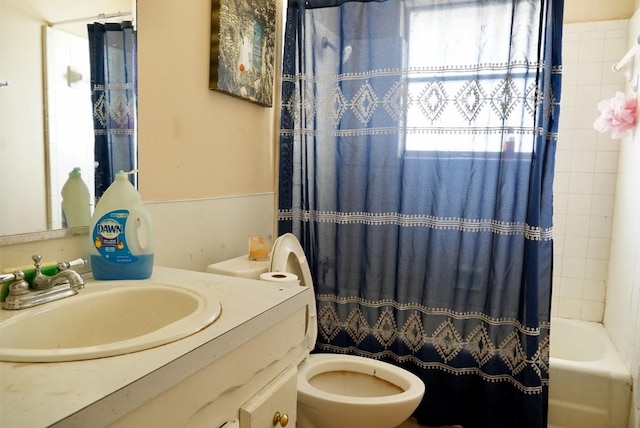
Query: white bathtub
point(589, 385)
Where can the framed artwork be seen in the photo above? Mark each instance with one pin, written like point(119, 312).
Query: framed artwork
point(243, 49)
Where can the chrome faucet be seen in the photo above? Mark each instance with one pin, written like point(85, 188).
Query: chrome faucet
point(45, 288)
point(65, 274)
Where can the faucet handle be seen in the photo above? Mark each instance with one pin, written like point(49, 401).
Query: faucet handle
point(19, 286)
point(15, 276)
point(39, 280)
point(72, 263)
point(37, 258)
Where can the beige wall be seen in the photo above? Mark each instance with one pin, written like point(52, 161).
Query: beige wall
point(206, 159)
point(194, 142)
point(598, 10)
point(198, 143)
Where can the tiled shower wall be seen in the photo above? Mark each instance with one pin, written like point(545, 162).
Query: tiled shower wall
point(622, 314)
point(586, 169)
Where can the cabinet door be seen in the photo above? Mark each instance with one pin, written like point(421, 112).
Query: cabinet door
point(275, 405)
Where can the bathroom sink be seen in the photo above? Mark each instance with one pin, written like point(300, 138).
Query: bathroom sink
point(107, 319)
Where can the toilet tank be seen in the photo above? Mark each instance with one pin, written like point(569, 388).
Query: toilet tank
point(241, 267)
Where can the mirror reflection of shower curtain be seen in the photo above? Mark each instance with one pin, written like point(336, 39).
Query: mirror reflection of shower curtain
point(112, 50)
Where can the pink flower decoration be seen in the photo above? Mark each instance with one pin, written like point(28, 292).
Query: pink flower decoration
point(617, 114)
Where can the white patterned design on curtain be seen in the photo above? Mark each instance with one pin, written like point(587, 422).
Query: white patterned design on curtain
point(403, 220)
point(446, 338)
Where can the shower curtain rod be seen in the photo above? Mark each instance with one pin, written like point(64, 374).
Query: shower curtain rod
point(100, 17)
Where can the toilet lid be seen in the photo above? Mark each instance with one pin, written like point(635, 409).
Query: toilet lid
point(288, 256)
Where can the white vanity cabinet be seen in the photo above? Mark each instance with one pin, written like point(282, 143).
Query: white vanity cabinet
point(275, 405)
point(246, 384)
point(241, 368)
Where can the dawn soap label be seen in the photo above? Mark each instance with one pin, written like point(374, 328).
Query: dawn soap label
point(109, 237)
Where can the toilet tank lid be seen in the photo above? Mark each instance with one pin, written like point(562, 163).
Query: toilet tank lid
point(241, 267)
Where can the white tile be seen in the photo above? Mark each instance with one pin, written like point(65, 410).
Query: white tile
point(569, 308)
point(598, 248)
point(577, 225)
point(607, 162)
point(571, 288)
point(596, 270)
point(571, 73)
point(611, 25)
point(584, 139)
point(573, 267)
point(570, 34)
point(602, 205)
point(570, 52)
point(576, 246)
point(560, 203)
point(609, 90)
point(592, 311)
point(579, 204)
point(581, 183)
point(561, 182)
point(610, 77)
point(614, 48)
point(583, 161)
point(557, 283)
point(565, 135)
point(563, 161)
point(605, 143)
point(589, 73)
point(600, 226)
point(559, 225)
point(554, 306)
point(587, 95)
point(618, 34)
point(585, 116)
point(594, 290)
point(567, 97)
point(593, 34)
point(557, 263)
point(604, 183)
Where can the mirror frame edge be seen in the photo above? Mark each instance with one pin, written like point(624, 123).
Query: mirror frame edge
point(24, 238)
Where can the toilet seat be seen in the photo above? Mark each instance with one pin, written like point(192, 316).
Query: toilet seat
point(288, 256)
point(408, 384)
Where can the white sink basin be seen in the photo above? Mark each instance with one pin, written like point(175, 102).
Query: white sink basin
point(106, 319)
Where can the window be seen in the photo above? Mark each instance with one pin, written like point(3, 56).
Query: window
point(465, 85)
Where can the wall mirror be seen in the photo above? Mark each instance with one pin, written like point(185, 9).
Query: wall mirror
point(46, 124)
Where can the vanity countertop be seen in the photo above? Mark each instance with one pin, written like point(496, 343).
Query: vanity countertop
point(43, 394)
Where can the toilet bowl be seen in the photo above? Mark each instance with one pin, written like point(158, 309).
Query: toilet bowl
point(335, 390)
point(346, 391)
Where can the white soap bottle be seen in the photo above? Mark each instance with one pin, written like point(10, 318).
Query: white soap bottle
point(76, 206)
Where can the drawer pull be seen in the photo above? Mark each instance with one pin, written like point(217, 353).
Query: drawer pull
point(283, 419)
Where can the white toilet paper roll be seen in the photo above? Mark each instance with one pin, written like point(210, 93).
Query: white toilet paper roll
point(281, 277)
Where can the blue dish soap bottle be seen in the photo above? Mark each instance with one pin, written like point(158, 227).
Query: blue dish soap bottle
point(121, 232)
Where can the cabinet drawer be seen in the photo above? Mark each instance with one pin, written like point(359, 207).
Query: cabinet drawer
point(278, 398)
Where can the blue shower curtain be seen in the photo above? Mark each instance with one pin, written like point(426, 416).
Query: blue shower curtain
point(112, 53)
point(416, 167)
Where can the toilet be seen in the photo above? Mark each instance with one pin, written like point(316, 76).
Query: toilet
point(335, 390)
